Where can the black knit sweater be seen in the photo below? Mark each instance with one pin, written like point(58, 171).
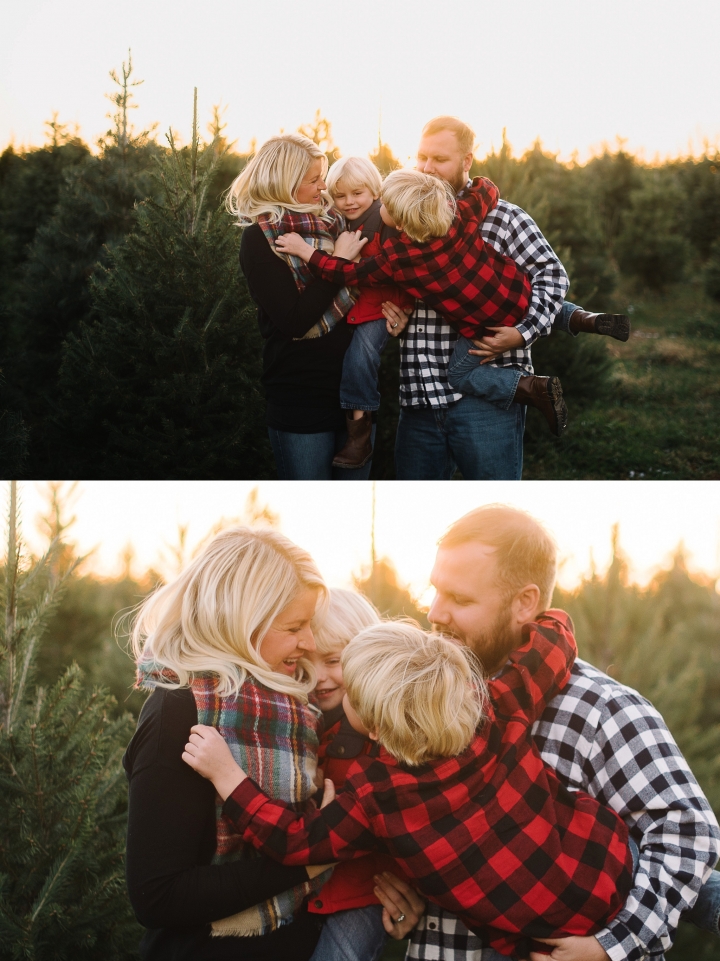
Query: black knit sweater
point(301, 378)
point(174, 889)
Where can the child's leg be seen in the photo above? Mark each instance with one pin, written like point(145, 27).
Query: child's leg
point(574, 320)
point(359, 392)
point(503, 386)
point(705, 913)
point(359, 383)
point(467, 375)
point(356, 935)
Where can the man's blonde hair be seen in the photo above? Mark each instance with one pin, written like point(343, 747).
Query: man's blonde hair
point(269, 182)
point(421, 694)
point(213, 617)
point(355, 172)
point(347, 614)
point(421, 205)
point(465, 135)
point(525, 553)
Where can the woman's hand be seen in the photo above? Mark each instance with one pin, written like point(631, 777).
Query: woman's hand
point(207, 753)
point(349, 244)
point(496, 343)
point(396, 318)
point(295, 245)
point(402, 905)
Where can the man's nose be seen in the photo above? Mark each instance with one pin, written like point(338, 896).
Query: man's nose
point(436, 614)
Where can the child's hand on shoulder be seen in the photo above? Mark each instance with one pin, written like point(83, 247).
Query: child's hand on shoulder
point(207, 753)
point(294, 245)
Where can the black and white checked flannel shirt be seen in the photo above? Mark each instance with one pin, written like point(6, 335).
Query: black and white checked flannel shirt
point(604, 738)
point(428, 341)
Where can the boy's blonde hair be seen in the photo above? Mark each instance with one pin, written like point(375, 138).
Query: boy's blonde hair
point(347, 614)
point(421, 694)
point(421, 205)
point(525, 553)
point(213, 617)
point(268, 183)
point(355, 172)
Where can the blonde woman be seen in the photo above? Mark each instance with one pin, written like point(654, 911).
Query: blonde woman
point(224, 644)
point(301, 318)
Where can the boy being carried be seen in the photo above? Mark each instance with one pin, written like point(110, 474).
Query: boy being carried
point(457, 793)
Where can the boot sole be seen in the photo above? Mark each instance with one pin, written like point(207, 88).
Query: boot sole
point(613, 325)
point(555, 392)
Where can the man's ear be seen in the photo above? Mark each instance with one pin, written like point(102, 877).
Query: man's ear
point(526, 604)
point(467, 162)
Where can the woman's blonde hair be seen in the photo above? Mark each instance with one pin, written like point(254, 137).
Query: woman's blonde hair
point(421, 205)
point(267, 185)
point(355, 172)
point(421, 694)
point(347, 614)
point(213, 617)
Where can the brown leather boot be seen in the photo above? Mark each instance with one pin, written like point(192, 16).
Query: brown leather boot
point(358, 446)
point(611, 325)
point(546, 394)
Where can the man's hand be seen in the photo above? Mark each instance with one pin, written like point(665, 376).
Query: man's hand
point(399, 900)
point(396, 318)
point(571, 949)
point(500, 340)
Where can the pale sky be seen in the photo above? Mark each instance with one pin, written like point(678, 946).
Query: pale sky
point(332, 521)
point(575, 73)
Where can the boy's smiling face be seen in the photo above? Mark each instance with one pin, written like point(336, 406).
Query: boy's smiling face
point(329, 690)
point(352, 202)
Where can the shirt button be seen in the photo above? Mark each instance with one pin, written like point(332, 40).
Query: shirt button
point(341, 750)
point(421, 330)
point(318, 903)
point(431, 924)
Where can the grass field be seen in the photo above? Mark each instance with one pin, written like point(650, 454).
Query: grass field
point(661, 419)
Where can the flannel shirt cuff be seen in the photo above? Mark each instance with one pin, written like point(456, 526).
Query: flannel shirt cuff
point(528, 332)
point(621, 944)
point(244, 802)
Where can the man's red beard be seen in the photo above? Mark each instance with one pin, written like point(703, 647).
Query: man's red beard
point(491, 645)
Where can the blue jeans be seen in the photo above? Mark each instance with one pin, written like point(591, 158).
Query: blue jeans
point(705, 913)
point(359, 384)
point(356, 935)
point(484, 442)
point(562, 320)
point(310, 456)
point(467, 375)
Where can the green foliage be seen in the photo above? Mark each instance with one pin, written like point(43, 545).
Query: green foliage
point(62, 892)
point(164, 382)
point(711, 275)
point(650, 246)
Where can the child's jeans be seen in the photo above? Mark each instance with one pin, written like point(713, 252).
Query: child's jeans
point(467, 375)
point(359, 384)
point(497, 385)
point(355, 935)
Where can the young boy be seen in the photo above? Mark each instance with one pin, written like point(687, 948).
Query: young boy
point(354, 185)
point(352, 884)
point(457, 793)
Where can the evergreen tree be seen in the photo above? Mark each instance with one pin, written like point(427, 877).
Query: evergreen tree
point(62, 891)
point(164, 382)
point(94, 211)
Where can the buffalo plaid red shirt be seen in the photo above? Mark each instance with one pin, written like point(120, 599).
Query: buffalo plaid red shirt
point(492, 834)
point(459, 275)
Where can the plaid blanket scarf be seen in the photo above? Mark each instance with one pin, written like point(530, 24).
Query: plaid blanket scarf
point(321, 233)
point(274, 738)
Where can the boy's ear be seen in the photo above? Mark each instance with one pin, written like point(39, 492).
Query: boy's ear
point(372, 735)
